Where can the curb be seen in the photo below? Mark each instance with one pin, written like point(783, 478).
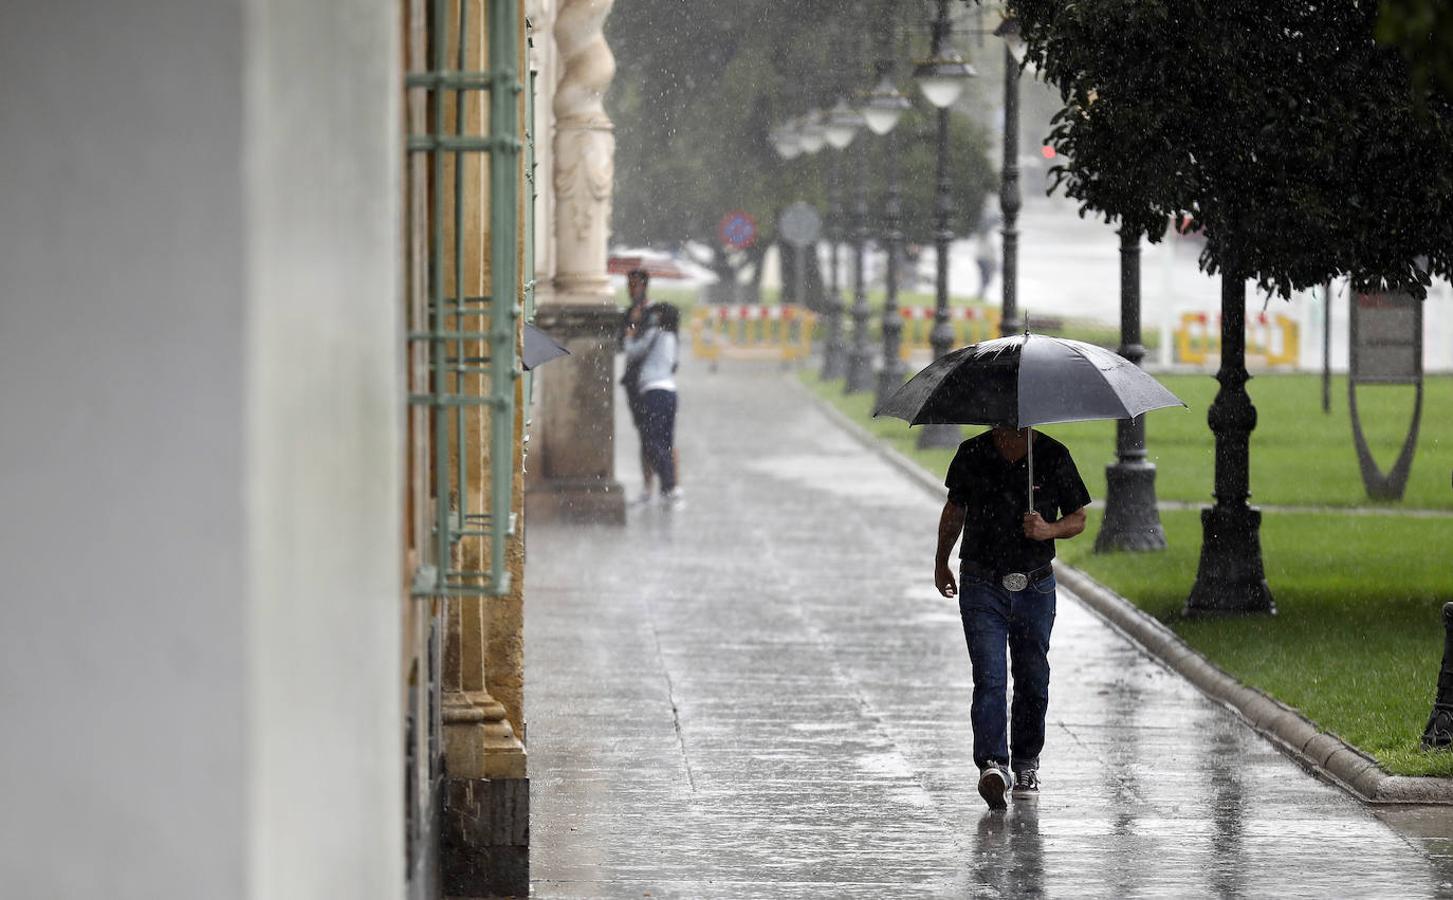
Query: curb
point(1322, 753)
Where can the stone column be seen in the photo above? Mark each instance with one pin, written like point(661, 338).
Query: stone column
point(483, 850)
point(572, 452)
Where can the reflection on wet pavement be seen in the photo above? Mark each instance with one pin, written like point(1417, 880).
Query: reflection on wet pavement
point(761, 695)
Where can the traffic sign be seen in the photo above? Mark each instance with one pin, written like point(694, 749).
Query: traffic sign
point(737, 230)
point(800, 224)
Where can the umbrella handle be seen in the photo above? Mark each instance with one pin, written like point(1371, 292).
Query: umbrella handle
point(1031, 468)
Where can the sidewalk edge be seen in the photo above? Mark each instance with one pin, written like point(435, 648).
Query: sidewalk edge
point(1321, 752)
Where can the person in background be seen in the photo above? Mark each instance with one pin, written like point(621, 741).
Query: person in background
point(986, 257)
point(652, 352)
point(638, 282)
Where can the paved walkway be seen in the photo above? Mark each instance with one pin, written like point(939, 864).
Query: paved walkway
point(761, 695)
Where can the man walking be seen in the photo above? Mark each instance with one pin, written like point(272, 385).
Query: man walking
point(1007, 599)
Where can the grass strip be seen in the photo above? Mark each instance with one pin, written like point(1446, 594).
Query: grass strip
point(1299, 455)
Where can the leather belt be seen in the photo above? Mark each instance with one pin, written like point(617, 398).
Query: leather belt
point(1010, 581)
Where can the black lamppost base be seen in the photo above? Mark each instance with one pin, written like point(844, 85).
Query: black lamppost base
point(1231, 579)
point(890, 379)
point(860, 378)
point(1439, 733)
point(940, 437)
point(834, 359)
point(1132, 521)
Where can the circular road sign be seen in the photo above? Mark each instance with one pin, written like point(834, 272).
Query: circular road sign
point(737, 230)
point(800, 224)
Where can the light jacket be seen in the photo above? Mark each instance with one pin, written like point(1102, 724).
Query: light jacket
point(658, 359)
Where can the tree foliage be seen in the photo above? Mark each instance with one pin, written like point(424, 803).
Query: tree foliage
point(1281, 127)
point(1423, 31)
point(697, 93)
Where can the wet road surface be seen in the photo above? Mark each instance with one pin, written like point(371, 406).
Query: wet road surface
point(762, 695)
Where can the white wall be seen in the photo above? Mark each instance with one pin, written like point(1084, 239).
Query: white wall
point(325, 392)
point(199, 448)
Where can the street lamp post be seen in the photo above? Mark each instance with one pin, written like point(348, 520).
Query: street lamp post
point(885, 106)
point(860, 359)
point(1132, 521)
point(942, 79)
point(845, 123)
point(842, 127)
point(1231, 577)
point(1009, 197)
point(833, 352)
point(811, 135)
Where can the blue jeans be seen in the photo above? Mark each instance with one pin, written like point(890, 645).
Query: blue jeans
point(658, 431)
point(996, 620)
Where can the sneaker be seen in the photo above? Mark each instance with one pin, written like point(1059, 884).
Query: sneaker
point(1026, 783)
point(992, 785)
point(643, 499)
point(675, 499)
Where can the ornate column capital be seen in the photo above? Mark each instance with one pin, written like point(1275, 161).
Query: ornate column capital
point(587, 62)
point(584, 152)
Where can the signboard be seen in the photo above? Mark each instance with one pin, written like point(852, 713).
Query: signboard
point(800, 224)
point(1387, 339)
point(737, 230)
point(1386, 348)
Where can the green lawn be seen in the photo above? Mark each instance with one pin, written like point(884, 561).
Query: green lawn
point(1299, 456)
point(1357, 639)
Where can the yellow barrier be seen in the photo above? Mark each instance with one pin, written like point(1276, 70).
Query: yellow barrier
point(751, 332)
point(1270, 340)
point(970, 326)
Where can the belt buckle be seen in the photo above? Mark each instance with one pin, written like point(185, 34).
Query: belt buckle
point(1015, 581)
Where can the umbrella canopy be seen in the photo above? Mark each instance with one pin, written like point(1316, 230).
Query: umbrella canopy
point(1027, 380)
point(540, 348)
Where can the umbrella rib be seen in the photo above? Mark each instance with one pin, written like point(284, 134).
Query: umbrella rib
point(1113, 393)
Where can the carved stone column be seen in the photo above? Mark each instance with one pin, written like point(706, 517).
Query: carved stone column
point(573, 452)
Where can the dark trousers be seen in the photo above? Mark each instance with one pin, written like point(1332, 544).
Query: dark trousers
point(996, 620)
point(658, 431)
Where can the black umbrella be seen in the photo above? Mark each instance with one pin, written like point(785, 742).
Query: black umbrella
point(540, 348)
point(1027, 380)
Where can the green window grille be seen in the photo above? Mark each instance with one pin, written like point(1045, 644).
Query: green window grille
point(470, 337)
point(531, 194)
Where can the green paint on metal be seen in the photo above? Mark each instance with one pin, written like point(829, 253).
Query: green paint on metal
point(451, 364)
point(530, 197)
point(478, 81)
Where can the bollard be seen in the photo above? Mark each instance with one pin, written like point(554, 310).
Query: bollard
point(1439, 733)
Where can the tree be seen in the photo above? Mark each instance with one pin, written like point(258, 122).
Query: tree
point(1296, 142)
point(694, 101)
point(1423, 31)
point(1291, 137)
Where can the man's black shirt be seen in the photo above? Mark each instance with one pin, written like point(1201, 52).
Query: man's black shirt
point(993, 493)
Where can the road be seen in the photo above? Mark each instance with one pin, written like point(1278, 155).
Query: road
point(761, 695)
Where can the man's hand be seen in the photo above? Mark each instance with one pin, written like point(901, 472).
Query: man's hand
point(943, 579)
point(950, 526)
point(1037, 529)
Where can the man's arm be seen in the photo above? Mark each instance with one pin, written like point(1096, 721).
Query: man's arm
point(1037, 529)
point(950, 526)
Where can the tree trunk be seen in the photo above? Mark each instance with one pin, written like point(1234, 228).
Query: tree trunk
point(815, 283)
point(756, 258)
point(725, 289)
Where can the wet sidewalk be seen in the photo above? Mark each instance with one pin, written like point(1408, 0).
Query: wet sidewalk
point(762, 695)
